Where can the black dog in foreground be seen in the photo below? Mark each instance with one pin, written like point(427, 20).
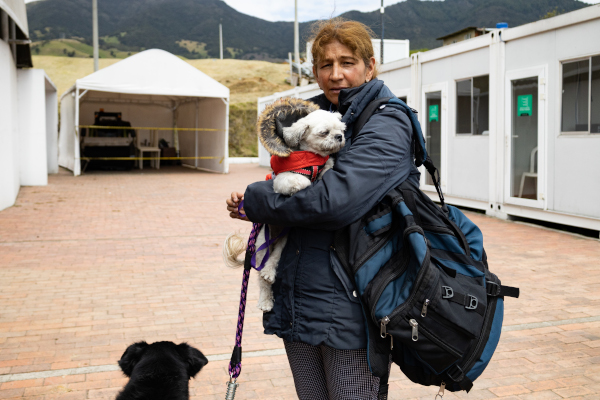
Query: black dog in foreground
point(159, 371)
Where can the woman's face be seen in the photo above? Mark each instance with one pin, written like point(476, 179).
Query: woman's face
point(340, 69)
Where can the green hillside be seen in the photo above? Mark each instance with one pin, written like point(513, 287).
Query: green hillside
point(73, 48)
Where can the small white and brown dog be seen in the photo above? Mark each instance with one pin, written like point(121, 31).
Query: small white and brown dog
point(291, 130)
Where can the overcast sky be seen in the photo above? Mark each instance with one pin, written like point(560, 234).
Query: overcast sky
point(308, 10)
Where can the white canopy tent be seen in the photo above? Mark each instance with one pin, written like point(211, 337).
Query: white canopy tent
point(152, 89)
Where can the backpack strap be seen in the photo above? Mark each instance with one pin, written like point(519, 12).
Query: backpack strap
point(496, 290)
point(366, 114)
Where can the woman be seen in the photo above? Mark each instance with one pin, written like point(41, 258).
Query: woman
point(316, 310)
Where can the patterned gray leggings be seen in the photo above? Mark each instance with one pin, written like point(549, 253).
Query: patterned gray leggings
point(323, 373)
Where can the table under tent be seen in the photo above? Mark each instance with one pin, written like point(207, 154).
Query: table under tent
point(150, 105)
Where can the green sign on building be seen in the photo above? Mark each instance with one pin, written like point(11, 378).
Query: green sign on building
point(524, 105)
point(434, 113)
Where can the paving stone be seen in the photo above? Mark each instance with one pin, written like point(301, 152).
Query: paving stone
point(91, 264)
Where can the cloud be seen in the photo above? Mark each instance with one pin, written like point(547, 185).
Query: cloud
point(309, 10)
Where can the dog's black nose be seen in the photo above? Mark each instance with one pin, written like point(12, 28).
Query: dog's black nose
point(338, 138)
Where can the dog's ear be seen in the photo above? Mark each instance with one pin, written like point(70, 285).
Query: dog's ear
point(193, 357)
point(338, 115)
point(278, 116)
point(294, 134)
point(132, 356)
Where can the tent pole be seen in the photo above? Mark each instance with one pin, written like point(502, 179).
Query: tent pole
point(76, 150)
point(196, 141)
point(226, 152)
point(175, 134)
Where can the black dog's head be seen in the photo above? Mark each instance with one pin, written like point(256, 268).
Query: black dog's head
point(158, 369)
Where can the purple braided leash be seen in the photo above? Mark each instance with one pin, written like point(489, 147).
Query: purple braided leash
point(235, 365)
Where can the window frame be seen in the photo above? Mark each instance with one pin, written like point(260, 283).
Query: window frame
point(464, 134)
point(589, 100)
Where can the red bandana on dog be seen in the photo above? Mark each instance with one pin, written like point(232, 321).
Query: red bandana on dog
point(299, 162)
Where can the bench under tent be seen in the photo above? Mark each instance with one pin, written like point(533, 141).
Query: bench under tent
point(162, 97)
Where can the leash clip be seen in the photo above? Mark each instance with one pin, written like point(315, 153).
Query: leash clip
point(231, 388)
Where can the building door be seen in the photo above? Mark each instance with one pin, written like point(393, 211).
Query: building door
point(433, 122)
point(525, 138)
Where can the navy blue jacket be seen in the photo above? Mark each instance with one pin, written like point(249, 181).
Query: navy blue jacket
point(314, 299)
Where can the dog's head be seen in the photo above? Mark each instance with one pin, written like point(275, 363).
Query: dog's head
point(164, 355)
point(320, 132)
point(287, 125)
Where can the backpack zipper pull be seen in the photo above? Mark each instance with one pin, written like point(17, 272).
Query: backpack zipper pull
point(424, 309)
point(441, 391)
point(415, 329)
point(383, 330)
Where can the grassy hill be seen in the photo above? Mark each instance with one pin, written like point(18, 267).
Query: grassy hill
point(190, 27)
point(73, 48)
point(247, 80)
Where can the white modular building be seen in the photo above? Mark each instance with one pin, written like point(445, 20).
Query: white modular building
point(162, 97)
point(511, 118)
point(28, 109)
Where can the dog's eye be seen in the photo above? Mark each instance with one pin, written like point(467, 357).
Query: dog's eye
point(325, 133)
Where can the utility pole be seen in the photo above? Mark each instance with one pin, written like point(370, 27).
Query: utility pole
point(221, 39)
point(297, 42)
point(382, 32)
point(95, 33)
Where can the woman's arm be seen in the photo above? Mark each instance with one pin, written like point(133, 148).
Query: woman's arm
point(378, 161)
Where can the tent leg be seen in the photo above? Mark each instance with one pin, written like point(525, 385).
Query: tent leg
point(196, 139)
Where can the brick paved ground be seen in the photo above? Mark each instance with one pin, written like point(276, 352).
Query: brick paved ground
point(91, 264)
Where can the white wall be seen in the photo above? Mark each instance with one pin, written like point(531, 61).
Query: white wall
point(67, 138)
point(211, 115)
point(33, 164)
point(467, 164)
point(9, 166)
point(573, 164)
point(51, 126)
point(397, 79)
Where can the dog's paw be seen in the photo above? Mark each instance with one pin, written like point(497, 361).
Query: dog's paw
point(268, 274)
point(265, 305)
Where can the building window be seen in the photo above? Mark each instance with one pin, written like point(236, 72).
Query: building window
point(473, 105)
point(467, 36)
point(581, 96)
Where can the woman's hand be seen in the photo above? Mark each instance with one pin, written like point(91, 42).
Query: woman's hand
point(233, 204)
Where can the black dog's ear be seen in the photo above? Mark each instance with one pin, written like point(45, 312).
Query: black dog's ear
point(132, 356)
point(193, 357)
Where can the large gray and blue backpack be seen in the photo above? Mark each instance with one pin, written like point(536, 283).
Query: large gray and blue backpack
point(430, 301)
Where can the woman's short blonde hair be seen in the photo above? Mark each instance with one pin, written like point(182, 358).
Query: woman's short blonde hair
point(354, 35)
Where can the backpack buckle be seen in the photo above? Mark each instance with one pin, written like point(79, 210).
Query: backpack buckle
point(472, 302)
point(492, 288)
point(455, 373)
point(448, 292)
